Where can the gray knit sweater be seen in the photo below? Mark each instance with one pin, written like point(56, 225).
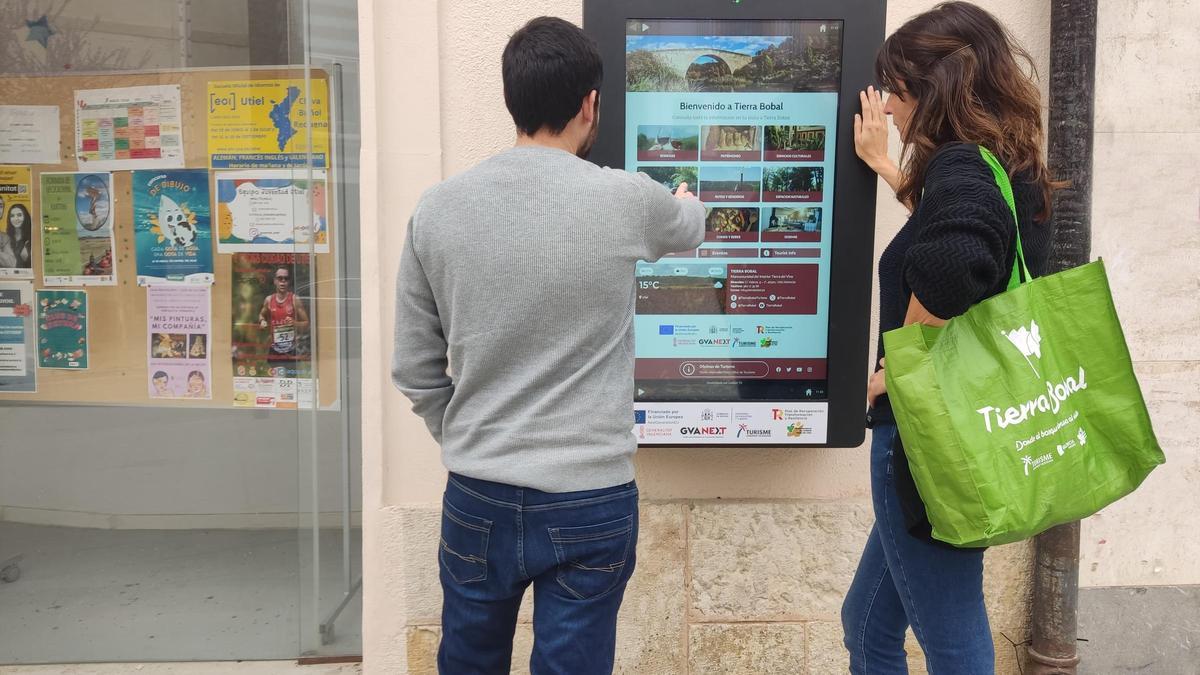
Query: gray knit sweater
point(514, 309)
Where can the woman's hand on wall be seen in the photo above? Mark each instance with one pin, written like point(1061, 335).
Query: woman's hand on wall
point(870, 137)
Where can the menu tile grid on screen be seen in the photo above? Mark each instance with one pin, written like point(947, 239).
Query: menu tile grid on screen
point(732, 337)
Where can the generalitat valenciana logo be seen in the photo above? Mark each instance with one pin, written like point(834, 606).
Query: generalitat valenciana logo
point(1029, 341)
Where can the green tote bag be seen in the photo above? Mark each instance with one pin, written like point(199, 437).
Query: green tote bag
point(1024, 412)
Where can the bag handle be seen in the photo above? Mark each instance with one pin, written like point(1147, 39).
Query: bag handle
point(1020, 273)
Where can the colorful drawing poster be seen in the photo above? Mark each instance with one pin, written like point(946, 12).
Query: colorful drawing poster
point(62, 329)
point(272, 211)
point(129, 128)
point(17, 349)
point(77, 229)
point(272, 358)
point(172, 227)
point(268, 124)
point(16, 233)
point(29, 134)
point(179, 326)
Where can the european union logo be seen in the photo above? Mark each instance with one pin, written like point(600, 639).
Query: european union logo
point(666, 330)
point(639, 416)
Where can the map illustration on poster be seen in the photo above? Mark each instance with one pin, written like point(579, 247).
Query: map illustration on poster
point(268, 124)
point(172, 227)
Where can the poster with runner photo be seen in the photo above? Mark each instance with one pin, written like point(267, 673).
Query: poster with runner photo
point(272, 358)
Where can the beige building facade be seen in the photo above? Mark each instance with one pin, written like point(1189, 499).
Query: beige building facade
point(745, 554)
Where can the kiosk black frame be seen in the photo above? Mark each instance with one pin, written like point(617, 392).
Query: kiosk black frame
point(852, 243)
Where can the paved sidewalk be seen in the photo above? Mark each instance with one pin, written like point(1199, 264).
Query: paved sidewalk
point(231, 667)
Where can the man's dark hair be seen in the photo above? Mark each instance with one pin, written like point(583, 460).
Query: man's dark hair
point(549, 66)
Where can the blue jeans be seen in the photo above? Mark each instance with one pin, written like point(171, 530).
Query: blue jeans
point(904, 581)
point(577, 549)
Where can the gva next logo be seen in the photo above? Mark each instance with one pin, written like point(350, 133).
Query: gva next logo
point(702, 431)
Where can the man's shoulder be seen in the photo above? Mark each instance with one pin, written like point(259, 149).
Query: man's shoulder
point(562, 167)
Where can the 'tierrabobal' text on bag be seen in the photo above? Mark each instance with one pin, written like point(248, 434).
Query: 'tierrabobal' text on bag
point(1024, 412)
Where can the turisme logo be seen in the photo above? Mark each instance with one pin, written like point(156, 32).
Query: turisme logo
point(745, 430)
point(702, 431)
point(1028, 341)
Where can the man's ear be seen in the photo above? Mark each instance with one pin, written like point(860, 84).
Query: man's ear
point(590, 107)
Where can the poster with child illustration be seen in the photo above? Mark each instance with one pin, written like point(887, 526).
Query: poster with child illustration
point(179, 326)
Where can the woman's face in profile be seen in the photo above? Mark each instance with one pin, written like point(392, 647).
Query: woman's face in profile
point(900, 105)
point(16, 218)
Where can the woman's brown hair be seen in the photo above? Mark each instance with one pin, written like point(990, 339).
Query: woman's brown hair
point(960, 66)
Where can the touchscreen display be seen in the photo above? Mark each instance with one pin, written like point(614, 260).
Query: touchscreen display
point(732, 338)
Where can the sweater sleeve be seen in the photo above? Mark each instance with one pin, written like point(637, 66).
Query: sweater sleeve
point(960, 250)
point(670, 224)
point(419, 362)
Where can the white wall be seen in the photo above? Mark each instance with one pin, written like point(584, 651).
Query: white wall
point(1146, 226)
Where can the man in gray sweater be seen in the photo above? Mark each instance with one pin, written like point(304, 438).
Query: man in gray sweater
point(514, 342)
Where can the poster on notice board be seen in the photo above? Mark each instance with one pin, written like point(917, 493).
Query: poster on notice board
point(77, 229)
point(278, 211)
point(62, 318)
point(179, 330)
point(127, 128)
point(18, 372)
point(16, 231)
point(172, 227)
point(271, 331)
point(268, 124)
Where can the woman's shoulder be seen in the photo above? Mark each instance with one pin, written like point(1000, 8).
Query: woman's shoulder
point(956, 159)
point(957, 172)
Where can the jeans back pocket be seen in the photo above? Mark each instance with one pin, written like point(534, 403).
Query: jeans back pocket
point(593, 559)
point(464, 544)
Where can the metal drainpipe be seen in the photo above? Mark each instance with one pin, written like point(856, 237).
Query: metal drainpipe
point(1072, 102)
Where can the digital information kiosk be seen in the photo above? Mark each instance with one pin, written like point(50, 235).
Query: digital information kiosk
point(760, 335)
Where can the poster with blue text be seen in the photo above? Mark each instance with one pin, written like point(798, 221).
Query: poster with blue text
point(17, 370)
point(173, 227)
